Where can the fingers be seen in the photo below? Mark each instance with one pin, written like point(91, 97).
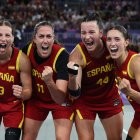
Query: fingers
point(47, 74)
point(124, 84)
point(72, 68)
point(17, 91)
point(47, 70)
point(70, 64)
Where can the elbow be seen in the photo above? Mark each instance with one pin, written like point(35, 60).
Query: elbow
point(60, 101)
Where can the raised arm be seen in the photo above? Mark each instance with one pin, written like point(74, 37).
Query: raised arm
point(74, 84)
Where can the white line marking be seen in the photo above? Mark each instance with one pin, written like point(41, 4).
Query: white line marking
point(126, 132)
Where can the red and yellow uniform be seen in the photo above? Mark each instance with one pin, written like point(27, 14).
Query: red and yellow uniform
point(41, 103)
point(10, 106)
point(124, 72)
point(99, 93)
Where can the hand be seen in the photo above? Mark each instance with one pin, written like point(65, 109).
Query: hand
point(72, 68)
point(47, 74)
point(17, 91)
point(125, 87)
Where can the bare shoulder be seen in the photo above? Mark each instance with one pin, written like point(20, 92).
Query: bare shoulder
point(76, 56)
point(135, 63)
point(24, 62)
point(136, 59)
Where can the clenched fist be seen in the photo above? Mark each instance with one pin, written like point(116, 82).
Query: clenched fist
point(47, 74)
point(72, 68)
point(125, 86)
point(17, 91)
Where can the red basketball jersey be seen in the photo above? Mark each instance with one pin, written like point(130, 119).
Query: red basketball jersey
point(40, 90)
point(9, 75)
point(124, 72)
point(98, 87)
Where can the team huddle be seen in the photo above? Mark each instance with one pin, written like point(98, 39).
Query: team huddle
point(43, 77)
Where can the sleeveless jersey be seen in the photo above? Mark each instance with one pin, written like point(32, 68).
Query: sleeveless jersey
point(98, 87)
point(9, 75)
point(124, 72)
point(40, 90)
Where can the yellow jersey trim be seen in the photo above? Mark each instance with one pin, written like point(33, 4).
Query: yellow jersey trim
point(21, 123)
point(29, 49)
point(79, 114)
point(82, 53)
point(58, 53)
point(72, 116)
point(128, 67)
point(17, 62)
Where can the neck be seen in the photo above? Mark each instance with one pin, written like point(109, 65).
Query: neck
point(99, 50)
point(5, 58)
point(122, 59)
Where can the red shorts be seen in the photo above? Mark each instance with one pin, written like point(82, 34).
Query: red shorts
point(12, 114)
point(136, 121)
point(39, 111)
point(91, 114)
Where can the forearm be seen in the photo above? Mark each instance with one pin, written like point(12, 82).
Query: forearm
point(135, 95)
point(75, 80)
point(57, 95)
point(73, 84)
point(26, 94)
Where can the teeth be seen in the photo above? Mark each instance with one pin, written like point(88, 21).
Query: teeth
point(89, 43)
point(114, 49)
point(45, 48)
point(2, 45)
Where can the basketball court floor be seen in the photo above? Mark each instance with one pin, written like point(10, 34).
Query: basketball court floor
point(47, 129)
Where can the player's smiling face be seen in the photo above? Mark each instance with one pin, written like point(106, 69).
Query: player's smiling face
point(90, 35)
point(44, 40)
point(116, 43)
point(6, 40)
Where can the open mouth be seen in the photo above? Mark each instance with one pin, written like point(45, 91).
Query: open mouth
point(89, 43)
point(113, 50)
point(45, 48)
point(3, 46)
